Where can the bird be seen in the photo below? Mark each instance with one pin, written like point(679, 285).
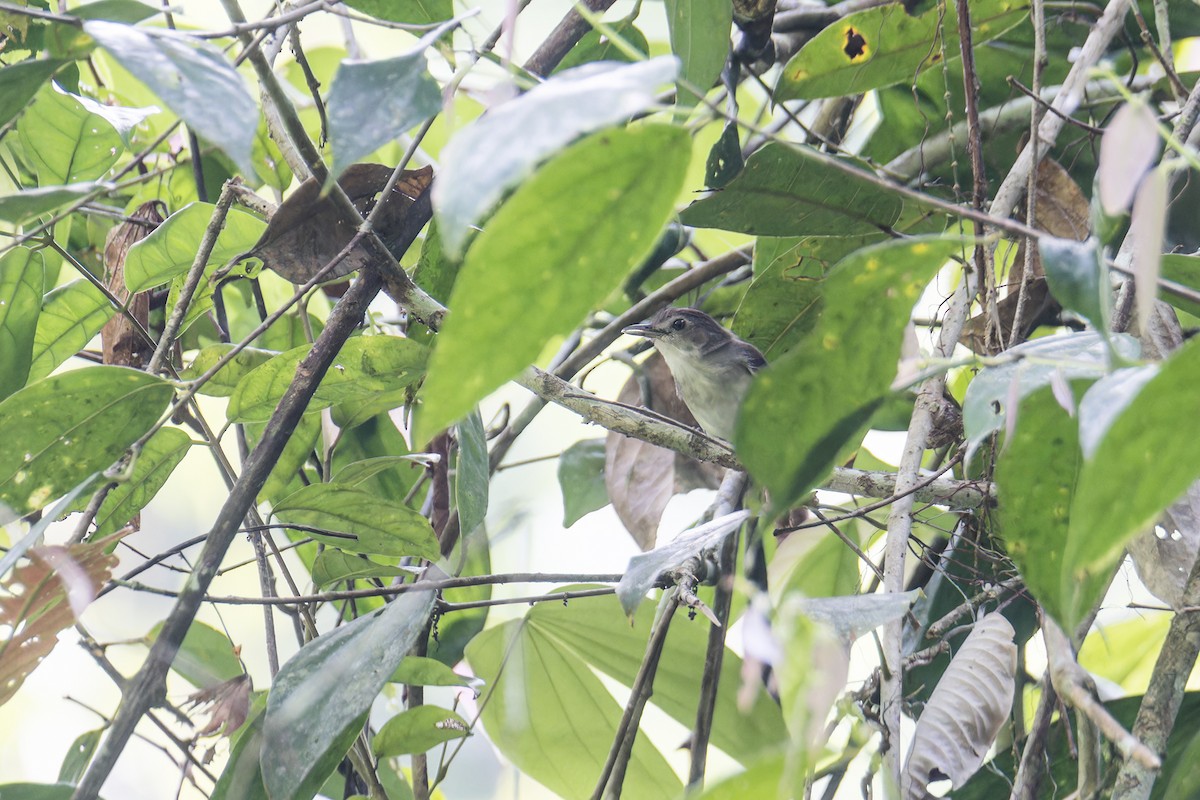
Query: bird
point(712, 367)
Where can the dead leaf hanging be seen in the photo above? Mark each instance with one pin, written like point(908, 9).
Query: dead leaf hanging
point(307, 231)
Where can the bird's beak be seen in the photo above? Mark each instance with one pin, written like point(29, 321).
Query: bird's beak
point(647, 331)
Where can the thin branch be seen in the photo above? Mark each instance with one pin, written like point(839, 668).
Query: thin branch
point(728, 498)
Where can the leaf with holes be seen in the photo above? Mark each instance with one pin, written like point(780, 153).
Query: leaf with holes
point(882, 46)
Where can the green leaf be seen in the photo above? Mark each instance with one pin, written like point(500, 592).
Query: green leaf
point(535, 272)
point(1145, 459)
point(532, 712)
point(596, 46)
point(1078, 277)
point(192, 78)
point(783, 301)
point(841, 372)
point(60, 430)
point(762, 779)
point(581, 478)
point(35, 202)
point(154, 464)
point(367, 524)
point(1185, 270)
point(417, 730)
point(79, 756)
point(37, 791)
point(20, 82)
point(129, 11)
point(22, 278)
point(421, 671)
point(226, 379)
point(882, 46)
point(472, 473)
point(71, 316)
point(596, 634)
point(372, 103)
point(66, 142)
point(500, 149)
point(205, 658)
point(788, 191)
point(366, 366)
point(333, 565)
point(1034, 364)
point(358, 472)
point(171, 248)
point(321, 696)
point(1036, 477)
point(415, 12)
point(699, 31)
point(283, 479)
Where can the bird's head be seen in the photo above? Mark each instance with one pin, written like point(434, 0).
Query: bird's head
point(686, 331)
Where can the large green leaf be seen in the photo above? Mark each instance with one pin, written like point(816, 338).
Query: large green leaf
point(321, 696)
point(358, 521)
point(597, 632)
point(171, 248)
point(193, 78)
point(839, 374)
point(882, 46)
point(333, 565)
point(71, 315)
point(58, 431)
point(699, 31)
point(1036, 478)
point(535, 272)
point(372, 103)
point(502, 148)
point(284, 478)
point(205, 658)
point(66, 142)
point(22, 276)
point(553, 718)
point(785, 190)
point(20, 82)
point(367, 366)
point(1146, 459)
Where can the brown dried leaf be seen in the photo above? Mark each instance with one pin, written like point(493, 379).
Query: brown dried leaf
point(966, 710)
point(43, 597)
point(230, 704)
point(1062, 210)
point(640, 477)
point(307, 231)
point(122, 344)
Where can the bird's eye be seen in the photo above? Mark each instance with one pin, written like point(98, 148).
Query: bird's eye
point(679, 324)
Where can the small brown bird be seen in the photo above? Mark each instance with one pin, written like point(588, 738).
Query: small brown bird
point(711, 366)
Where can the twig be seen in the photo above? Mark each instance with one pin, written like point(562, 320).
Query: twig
point(729, 496)
point(612, 776)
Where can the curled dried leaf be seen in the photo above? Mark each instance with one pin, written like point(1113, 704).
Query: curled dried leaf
point(228, 704)
point(966, 710)
point(641, 478)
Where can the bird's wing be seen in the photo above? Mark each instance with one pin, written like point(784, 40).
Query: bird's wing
point(753, 359)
